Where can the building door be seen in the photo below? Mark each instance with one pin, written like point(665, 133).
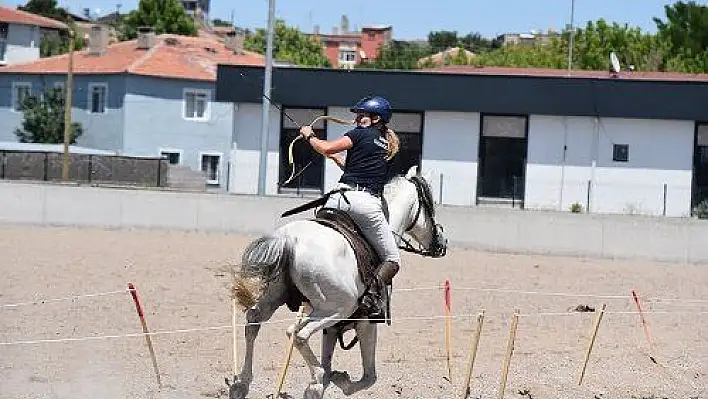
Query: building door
point(311, 180)
point(502, 159)
point(700, 165)
point(409, 129)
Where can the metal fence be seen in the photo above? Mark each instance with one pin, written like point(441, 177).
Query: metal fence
point(84, 168)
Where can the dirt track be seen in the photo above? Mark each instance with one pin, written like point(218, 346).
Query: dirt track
point(181, 284)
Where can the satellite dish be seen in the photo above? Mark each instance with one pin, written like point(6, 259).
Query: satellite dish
point(615, 62)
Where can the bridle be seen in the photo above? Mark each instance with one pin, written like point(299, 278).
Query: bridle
point(438, 246)
point(291, 159)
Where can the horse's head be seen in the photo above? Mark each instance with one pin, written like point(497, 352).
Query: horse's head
point(416, 214)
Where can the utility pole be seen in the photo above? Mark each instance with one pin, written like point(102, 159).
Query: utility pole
point(266, 102)
point(572, 34)
point(67, 105)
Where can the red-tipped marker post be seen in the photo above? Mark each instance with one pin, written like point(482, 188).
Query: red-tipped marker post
point(141, 315)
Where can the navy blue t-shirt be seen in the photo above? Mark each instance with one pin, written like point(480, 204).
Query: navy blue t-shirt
point(366, 163)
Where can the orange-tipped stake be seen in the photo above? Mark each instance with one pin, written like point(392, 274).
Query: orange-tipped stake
point(141, 315)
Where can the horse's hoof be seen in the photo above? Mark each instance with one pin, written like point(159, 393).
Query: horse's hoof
point(314, 391)
point(238, 390)
point(340, 378)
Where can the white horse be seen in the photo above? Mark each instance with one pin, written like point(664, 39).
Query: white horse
point(321, 263)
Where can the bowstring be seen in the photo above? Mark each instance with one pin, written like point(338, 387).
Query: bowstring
point(291, 158)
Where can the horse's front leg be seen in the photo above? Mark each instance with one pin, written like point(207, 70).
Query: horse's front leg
point(367, 334)
point(239, 388)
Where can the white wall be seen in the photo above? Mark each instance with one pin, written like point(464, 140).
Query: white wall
point(660, 151)
point(22, 43)
point(450, 148)
point(335, 131)
point(245, 153)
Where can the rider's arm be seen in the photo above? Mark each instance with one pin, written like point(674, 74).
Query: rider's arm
point(338, 159)
point(326, 147)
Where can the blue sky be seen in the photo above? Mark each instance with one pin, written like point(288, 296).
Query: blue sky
point(410, 21)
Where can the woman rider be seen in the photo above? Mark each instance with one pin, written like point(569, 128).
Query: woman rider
point(370, 148)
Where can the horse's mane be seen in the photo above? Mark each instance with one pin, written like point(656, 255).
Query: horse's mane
point(394, 186)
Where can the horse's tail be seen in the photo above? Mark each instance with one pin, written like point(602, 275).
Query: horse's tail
point(263, 262)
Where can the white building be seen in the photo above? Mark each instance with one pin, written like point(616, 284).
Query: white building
point(21, 34)
point(537, 139)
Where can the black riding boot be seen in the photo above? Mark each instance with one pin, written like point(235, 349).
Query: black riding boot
point(374, 298)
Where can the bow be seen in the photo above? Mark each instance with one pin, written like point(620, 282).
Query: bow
point(291, 160)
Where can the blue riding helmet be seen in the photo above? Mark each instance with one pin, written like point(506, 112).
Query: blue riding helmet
point(374, 105)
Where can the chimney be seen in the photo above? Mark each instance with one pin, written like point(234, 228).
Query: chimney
point(146, 37)
point(234, 41)
point(98, 40)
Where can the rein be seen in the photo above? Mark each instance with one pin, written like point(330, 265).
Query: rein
point(291, 159)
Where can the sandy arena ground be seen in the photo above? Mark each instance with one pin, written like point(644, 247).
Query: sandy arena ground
point(182, 286)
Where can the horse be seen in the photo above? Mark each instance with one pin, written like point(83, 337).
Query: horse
point(321, 264)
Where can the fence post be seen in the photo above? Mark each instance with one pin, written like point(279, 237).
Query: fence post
point(587, 204)
point(513, 192)
point(665, 188)
point(2, 165)
point(46, 166)
point(90, 167)
point(441, 189)
point(159, 171)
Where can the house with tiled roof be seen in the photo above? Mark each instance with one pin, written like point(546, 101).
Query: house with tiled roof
point(151, 96)
point(21, 33)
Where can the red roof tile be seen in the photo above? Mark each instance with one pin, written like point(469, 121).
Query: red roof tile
point(180, 57)
point(16, 16)
point(549, 72)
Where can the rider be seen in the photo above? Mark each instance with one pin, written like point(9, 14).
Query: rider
point(370, 148)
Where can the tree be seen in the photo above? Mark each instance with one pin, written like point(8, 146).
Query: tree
point(220, 22)
point(289, 45)
point(685, 28)
point(164, 16)
point(45, 8)
point(44, 119)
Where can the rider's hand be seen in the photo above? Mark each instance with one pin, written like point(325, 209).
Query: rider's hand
point(306, 131)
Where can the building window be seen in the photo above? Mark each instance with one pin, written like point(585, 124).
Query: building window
point(347, 56)
point(408, 128)
point(20, 91)
point(211, 166)
point(98, 92)
point(174, 157)
point(196, 104)
point(620, 153)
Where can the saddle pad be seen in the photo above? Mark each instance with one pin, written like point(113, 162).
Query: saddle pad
point(367, 258)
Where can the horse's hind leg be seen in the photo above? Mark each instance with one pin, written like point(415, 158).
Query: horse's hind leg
point(257, 314)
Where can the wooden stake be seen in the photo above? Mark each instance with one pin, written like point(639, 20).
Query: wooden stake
point(646, 328)
point(233, 329)
point(509, 351)
point(592, 342)
point(473, 355)
point(141, 315)
point(448, 328)
point(289, 354)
